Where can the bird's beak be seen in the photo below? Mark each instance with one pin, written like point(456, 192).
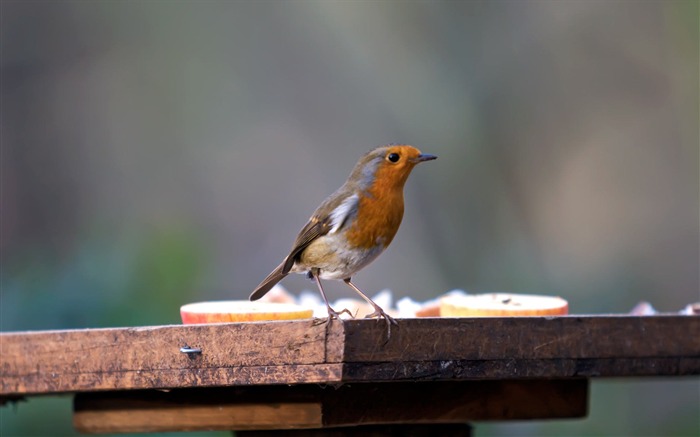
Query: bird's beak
point(425, 157)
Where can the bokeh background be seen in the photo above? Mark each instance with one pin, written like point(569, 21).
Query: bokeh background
point(157, 153)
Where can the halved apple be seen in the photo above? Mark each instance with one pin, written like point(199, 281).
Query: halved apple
point(226, 311)
point(502, 304)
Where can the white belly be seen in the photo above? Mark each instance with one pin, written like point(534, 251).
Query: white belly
point(334, 259)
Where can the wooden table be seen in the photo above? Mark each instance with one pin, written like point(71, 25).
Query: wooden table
point(432, 376)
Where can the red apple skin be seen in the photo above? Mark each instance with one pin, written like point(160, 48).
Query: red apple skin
point(195, 317)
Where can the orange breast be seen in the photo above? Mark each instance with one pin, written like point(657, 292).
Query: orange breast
point(379, 214)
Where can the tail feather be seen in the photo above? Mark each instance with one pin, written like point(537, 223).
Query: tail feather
point(269, 282)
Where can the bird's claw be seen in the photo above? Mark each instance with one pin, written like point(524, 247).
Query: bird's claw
point(379, 314)
point(333, 314)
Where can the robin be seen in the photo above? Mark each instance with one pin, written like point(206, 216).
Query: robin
point(353, 225)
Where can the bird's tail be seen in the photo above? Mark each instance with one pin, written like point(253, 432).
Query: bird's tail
point(269, 282)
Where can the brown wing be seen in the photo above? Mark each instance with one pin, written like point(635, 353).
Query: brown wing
point(330, 216)
point(321, 222)
point(315, 228)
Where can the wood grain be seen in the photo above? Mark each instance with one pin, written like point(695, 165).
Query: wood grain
point(150, 357)
point(298, 352)
point(525, 338)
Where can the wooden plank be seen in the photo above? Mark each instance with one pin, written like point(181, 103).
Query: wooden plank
point(524, 347)
point(306, 352)
point(455, 401)
point(197, 409)
point(525, 338)
point(311, 406)
point(150, 357)
point(38, 383)
point(187, 418)
point(517, 369)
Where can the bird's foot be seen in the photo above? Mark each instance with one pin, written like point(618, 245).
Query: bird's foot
point(379, 314)
point(333, 314)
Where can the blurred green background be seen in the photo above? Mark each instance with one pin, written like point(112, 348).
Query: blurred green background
point(157, 153)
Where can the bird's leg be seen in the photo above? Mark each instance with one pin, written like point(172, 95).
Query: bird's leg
point(378, 311)
point(332, 314)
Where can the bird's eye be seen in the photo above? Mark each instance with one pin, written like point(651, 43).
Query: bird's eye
point(393, 157)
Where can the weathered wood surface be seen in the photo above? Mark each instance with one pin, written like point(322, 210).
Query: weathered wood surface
point(312, 406)
point(303, 351)
point(150, 357)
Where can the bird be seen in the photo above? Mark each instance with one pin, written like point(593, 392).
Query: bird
point(352, 226)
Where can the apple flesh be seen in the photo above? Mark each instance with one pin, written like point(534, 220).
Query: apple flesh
point(502, 304)
point(227, 311)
